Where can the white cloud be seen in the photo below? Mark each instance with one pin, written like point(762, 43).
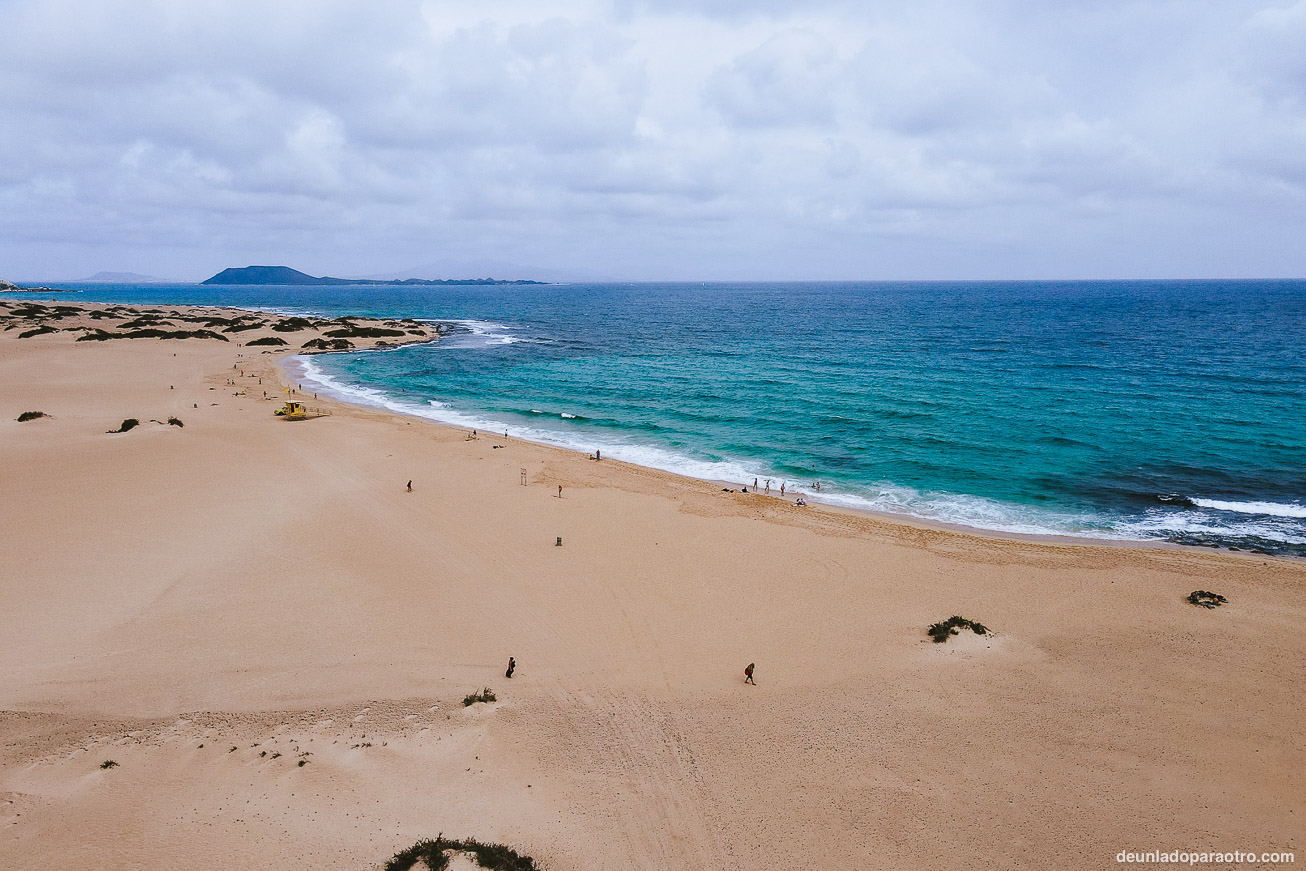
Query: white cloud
point(656, 138)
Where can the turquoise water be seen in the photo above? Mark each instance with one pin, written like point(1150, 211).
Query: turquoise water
point(1139, 410)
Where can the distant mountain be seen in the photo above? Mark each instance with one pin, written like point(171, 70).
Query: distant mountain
point(262, 275)
point(499, 268)
point(286, 275)
point(120, 278)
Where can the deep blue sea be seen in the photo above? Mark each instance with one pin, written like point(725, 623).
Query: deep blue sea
point(1171, 410)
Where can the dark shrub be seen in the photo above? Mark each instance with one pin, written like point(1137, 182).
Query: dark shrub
point(329, 344)
point(1206, 599)
point(434, 854)
point(485, 695)
point(940, 632)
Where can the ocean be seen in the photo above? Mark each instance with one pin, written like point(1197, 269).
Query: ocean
point(1124, 410)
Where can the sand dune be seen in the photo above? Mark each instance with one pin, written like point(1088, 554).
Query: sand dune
point(244, 582)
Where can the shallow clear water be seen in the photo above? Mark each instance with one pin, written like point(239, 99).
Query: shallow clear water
point(1172, 410)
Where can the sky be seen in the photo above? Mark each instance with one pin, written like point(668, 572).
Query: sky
point(656, 139)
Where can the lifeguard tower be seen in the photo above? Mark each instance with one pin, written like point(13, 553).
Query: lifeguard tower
point(296, 410)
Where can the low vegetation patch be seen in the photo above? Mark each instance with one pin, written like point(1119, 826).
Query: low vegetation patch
point(1206, 599)
point(485, 695)
point(268, 340)
point(38, 331)
point(435, 853)
point(940, 632)
point(353, 332)
point(237, 328)
point(175, 421)
point(174, 334)
point(108, 763)
point(329, 344)
point(291, 325)
point(129, 423)
point(31, 415)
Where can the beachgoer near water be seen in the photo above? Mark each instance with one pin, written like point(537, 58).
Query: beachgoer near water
point(512, 666)
point(598, 455)
point(754, 483)
point(782, 489)
point(768, 485)
point(748, 675)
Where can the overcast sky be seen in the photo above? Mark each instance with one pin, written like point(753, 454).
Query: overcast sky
point(656, 139)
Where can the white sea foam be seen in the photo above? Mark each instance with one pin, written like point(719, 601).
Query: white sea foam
point(1275, 509)
point(972, 511)
point(478, 334)
point(1199, 523)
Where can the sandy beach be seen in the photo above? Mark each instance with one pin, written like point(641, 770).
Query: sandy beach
point(272, 638)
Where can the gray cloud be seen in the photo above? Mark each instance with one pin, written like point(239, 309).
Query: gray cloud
point(942, 138)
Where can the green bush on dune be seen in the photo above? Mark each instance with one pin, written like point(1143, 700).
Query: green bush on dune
point(31, 415)
point(329, 344)
point(940, 632)
point(1206, 599)
point(129, 423)
point(473, 697)
point(435, 854)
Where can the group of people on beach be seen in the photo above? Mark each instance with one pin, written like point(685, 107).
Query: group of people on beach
point(800, 502)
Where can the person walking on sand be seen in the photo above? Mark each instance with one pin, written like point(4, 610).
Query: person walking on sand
point(410, 486)
point(748, 675)
point(559, 491)
point(782, 491)
point(512, 666)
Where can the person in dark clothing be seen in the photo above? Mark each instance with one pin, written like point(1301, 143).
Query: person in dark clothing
point(512, 666)
point(748, 675)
